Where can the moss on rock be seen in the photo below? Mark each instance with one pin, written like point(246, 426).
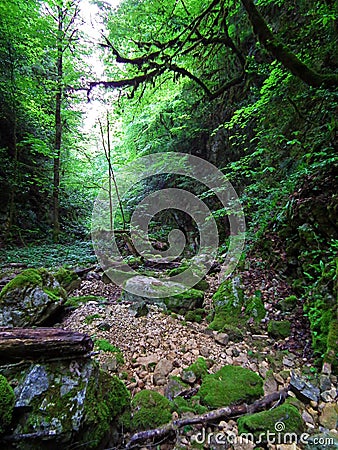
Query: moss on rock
point(7, 399)
point(149, 409)
point(279, 329)
point(199, 368)
point(68, 279)
point(106, 399)
point(260, 424)
point(230, 385)
point(186, 301)
point(331, 354)
point(32, 277)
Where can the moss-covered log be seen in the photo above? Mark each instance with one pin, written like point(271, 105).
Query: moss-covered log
point(42, 343)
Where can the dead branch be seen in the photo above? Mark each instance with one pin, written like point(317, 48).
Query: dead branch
point(221, 413)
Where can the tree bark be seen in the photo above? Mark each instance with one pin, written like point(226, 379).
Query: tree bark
point(42, 343)
point(282, 54)
point(58, 130)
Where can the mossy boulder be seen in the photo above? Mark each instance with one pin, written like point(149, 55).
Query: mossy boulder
point(71, 402)
point(174, 296)
point(331, 354)
point(232, 308)
point(230, 385)
point(199, 368)
point(279, 329)
point(30, 298)
point(195, 315)
point(285, 418)
point(68, 279)
point(149, 409)
point(189, 300)
point(7, 400)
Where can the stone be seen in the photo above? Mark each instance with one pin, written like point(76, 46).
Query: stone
point(222, 338)
point(303, 389)
point(270, 385)
point(162, 370)
point(31, 298)
point(307, 417)
point(188, 376)
point(329, 416)
point(324, 382)
point(329, 396)
point(174, 388)
point(70, 401)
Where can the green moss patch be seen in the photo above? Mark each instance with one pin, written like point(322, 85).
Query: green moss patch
point(68, 279)
point(199, 368)
point(279, 329)
point(260, 423)
point(7, 400)
point(230, 385)
point(149, 409)
point(232, 308)
point(33, 277)
point(195, 315)
point(106, 399)
point(186, 301)
point(331, 354)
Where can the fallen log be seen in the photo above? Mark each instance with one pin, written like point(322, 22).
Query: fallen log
point(42, 343)
point(217, 414)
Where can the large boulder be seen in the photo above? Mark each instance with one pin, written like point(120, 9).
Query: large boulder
point(64, 402)
point(30, 299)
point(175, 296)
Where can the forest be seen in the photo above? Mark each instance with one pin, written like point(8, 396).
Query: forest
point(169, 224)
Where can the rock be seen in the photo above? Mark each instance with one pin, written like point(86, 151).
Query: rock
point(308, 418)
point(110, 364)
point(329, 416)
point(287, 416)
point(329, 396)
point(162, 370)
point(104, 326)
point(139, 309)
point(30, 298)
point(146, 360)
point(69, 401)
point(230, 385)
point(303, 389)
point(175, 296)
point(270, 385)
point(174, 388)
point(188, 376)
point(68, 279)
point(279, 329)
point(327, 368)
point(222, 338)
point(149, 409)
point(324, 382)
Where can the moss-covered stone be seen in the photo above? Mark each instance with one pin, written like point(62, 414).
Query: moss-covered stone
point(260, 424)
point(7, 399)
point(279, 329)
point(288, 304)
point(186, 301)
point(32, 277)
point(107, 397)
point(195, 315)
point(232, 308)
point(230, 385)
point(30, 298)
point(234, 333)
point(331, 354)
point(68, 279)
point(199, 368)
point(149, 409)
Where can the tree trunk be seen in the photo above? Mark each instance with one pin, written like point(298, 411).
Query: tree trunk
point(282, 54)
point(58, 131)
point(42, 343)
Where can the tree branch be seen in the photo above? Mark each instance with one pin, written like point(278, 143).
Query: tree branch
point(282, 54)
point(221, 413)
